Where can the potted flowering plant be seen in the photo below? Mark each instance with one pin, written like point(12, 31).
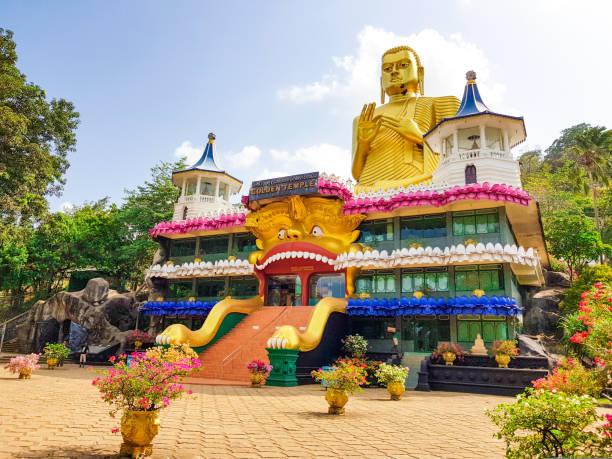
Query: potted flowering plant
point(138, 338)
point(259, 372)
point(24, 365)
point(54, 352)
point(342, 381)
point(394, 377)
point(355, 346)
point(449, 352)
point(140, 390)
point(504, 351)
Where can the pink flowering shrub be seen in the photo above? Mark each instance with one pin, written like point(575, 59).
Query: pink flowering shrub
point(149, 383)
point(23, 363)
point(258, 366)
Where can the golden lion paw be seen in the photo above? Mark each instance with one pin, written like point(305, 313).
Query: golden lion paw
point(174, 334)
point(286, 337)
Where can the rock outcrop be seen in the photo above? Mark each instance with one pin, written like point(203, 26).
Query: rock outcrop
point(104, 314)
point(542, 313)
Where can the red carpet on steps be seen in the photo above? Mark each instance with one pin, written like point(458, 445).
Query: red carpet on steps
point(225, 361)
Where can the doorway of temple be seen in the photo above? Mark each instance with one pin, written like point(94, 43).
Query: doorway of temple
point(285, 290)
point(325, 285)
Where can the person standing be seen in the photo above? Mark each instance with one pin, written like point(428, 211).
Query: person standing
point(83, 355)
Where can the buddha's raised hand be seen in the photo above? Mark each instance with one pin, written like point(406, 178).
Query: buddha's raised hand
point(367, 126)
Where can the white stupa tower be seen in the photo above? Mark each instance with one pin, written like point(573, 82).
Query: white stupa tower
point(475, 145)
point(205, 188)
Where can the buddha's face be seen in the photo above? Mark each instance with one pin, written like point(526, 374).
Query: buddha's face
point(308, 225)
point(399, 72)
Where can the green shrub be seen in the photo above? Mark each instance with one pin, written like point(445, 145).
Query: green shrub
point(355, 345)
point(590, 275)
point(544, 424)
point(56, 351)
point(387, 374)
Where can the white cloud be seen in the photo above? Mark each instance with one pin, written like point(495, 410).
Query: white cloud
point(67, 207)
point(246, 157)
point(190, 152)
point(355, 78)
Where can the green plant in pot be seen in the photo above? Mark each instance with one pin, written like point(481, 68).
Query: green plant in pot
point(449, 352)
point(504, 351)
point(355, 346)
point(54, 353)
point(394, 378)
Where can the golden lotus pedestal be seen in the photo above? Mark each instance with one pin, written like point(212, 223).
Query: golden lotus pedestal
point(396, 390)
point(502, 360)
point(138, 428)
point(336, 398)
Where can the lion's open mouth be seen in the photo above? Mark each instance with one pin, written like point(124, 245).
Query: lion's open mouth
point(297, 250)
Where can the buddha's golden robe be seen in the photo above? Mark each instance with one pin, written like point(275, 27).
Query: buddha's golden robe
point(392, 160)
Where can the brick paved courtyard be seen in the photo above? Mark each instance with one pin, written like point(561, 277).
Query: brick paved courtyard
point(58, 414)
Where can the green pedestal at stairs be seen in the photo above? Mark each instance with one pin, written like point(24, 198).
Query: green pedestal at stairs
point(283, 367)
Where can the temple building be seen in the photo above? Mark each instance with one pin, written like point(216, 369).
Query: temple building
point(442, 251)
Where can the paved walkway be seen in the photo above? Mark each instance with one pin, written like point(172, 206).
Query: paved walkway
point(58, 414)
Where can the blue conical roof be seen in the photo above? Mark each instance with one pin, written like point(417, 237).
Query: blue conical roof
point(207, 161)
point(471, 103)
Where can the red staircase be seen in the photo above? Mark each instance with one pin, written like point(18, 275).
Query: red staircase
point(226, 360)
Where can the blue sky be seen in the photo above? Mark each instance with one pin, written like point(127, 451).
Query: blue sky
point(279, 82)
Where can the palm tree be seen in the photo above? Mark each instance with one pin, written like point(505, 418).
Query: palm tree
point(592, 152)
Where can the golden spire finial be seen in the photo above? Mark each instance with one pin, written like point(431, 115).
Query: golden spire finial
point(470, 76)
point(211, 137)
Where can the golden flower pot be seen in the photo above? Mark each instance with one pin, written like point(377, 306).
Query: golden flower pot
point(336, 398)
point(257, 379)
point(502, 360)
point(138, 428)
point(137, 344)
point(396, 389)
point(449, 357)
point(25, 373)
point(52, 363)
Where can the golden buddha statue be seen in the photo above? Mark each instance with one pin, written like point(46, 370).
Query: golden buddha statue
point(388, 147)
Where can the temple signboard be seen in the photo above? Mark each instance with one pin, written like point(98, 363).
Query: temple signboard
point(301, 184)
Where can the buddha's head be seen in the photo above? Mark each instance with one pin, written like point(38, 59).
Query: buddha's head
point(314, 225)
point(402, 72)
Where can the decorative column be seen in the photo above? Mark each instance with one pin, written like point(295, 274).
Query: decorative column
point(506, 141)
point(283, 363)
point(183, 187)
point(483, 138)
point(198, 186)
point(217, 190)
point(455, 142)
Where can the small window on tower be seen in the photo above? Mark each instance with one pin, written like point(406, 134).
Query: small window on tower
point(470, 174)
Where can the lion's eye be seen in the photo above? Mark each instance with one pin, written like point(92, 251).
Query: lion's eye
point(282, 234)
point(316, 231)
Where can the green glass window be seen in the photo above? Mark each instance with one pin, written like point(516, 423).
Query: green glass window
point(489, 328)
point(470, 223)
point(244, 242)
point(183, 248)
point(213, 245)
point(376, 231)
point(372, 328)
point(243, 287)
point(484, 277)
point(424, 227)
point(209, 288)
point(422, 334)
point(433, 280)
point(376, 282)
point(180, 289)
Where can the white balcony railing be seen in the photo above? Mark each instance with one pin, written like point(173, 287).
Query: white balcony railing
point(467, 155)
point(203, 199)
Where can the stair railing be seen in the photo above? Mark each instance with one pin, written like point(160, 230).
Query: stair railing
point(8, 328)
point(231, 356)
